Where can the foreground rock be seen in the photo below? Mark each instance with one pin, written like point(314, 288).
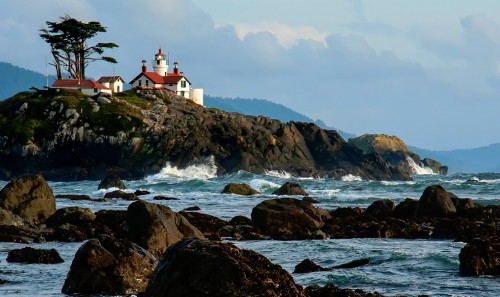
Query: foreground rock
point(29, 197)
point(31, 255)
point(480, 257)
point(239, 189)
point(289, 219)
point(193, 267)
point(133, 136)
point(155, 227)
point(435, 202)
point(109, 266)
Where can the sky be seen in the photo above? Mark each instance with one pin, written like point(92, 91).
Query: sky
point(426, 71)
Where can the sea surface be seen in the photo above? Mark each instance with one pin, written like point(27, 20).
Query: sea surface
point(409, 267)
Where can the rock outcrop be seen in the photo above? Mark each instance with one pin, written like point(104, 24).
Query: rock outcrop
point(290, 189)
point(395, 152)
point(29, 197)
point(289, 219)
point(435, 202)
point(30, 255)
point(133, 136)
point(112, 181)
point(480, 257)
point(109, 266)
point(192, 268)
point(155, 227)
point(239, 189)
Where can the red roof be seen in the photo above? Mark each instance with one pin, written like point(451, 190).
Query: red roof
point(109, 79)
point(78, 83)
point(171, 78)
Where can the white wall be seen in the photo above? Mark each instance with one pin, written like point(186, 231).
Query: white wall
point(196, 95)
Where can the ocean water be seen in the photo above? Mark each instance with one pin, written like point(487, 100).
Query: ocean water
point(409, 267)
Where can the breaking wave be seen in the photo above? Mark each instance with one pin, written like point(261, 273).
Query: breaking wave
point(202, 171)
point(417, 169)
point(350, 178)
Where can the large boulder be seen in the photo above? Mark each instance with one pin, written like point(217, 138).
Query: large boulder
point(435, 202)
point(480, 257)
point(74, 215)
point(155, 227)
point(290, 189)
point(110, 267)
point(29, 197)
point(436, 166)
point(239, 189)
point(112, 181)
point(31, 255)
point(381, 208)
point(193, 268)
point(289, 219)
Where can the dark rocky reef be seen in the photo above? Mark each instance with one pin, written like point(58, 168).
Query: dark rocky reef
point(68, 136)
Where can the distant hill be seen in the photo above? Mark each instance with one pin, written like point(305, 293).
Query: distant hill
point(482, 159)
point(15, 79)
point(261, 107)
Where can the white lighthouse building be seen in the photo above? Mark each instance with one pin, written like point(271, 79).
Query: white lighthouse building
point(160, 78)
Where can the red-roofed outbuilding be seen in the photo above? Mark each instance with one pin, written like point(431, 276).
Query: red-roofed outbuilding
point(86, 86)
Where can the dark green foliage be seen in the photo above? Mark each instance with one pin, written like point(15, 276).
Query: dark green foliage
point(68, 40)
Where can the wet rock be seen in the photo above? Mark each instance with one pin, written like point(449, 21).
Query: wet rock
point(209, 225)
point(192, 208)
point(481, 256)
point(164, 198)
point(112, 181)
point(288, 218)
point(21, 234)
point(435, 202)
point(406, 209)
point(31, 255)
point(69, 233)
point(381, 208)
point(8, 218)
point(195, 267)
point(74, 197)
point(115, 220)
point(29, 197)
point(333, 291)
point(155, 227)
point(110, 267)
point(141, 192)
point(290, 189)
point(308, 199)
point(76, 216)
point(353, 264)
point(307, 266)
point(121, 195)
point(239, 189)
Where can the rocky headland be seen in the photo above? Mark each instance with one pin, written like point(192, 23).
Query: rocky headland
point(65, 135)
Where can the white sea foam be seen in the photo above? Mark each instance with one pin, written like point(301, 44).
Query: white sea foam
point(278, 173)
point(263, 185)
point(417, 169)
point(324, 193)
point(350, 178)
point(202, 171)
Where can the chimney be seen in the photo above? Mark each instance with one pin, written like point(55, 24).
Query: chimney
point(176, 68)
point(144, 66)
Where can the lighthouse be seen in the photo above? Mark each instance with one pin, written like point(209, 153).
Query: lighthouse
point(160, 63)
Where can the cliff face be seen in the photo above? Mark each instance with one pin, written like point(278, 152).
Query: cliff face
point(69, 136)
point(395, 152)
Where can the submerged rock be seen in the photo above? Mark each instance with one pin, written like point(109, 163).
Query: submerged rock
point(112, 181)
point(192, 268)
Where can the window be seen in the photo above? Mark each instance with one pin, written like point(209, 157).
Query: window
point(147, 83)
point(118, 89)
point(96, 90)
point(140, 82)
point(183, 84)
point(182, 93)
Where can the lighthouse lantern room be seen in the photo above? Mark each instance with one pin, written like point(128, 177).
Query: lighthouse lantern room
point(160, 63)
